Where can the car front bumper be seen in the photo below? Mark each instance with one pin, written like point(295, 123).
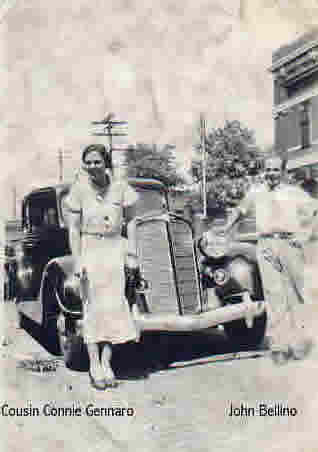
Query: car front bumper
point(246, 310)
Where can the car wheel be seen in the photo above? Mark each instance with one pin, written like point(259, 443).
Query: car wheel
point(71, 346)
point(241, 335)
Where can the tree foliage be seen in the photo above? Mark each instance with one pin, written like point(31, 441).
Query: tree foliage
point(232, 159)
point(145, 160)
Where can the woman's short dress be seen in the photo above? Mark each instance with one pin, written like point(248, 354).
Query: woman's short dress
point(106, 315)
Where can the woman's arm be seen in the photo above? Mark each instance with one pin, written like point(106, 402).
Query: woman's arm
point(74, 222)
point(131, 254)
point(129, 213)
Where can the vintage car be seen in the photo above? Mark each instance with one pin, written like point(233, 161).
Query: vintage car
point(182, 284)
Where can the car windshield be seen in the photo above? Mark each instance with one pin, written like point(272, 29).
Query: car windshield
point(149, 200)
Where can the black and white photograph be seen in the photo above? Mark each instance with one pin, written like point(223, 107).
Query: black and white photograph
point(159, 225)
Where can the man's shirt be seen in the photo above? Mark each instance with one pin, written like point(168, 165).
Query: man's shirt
point(287, 208)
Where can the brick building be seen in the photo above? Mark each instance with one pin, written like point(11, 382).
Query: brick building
point(295, 77)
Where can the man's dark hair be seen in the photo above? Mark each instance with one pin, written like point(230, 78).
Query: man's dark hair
point(281, 156)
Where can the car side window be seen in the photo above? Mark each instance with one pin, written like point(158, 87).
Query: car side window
point(50, 217)
point(40, 213)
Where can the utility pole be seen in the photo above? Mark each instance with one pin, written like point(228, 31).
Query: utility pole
point(106, 127)
point(60, 163)
point(109, 127)
point(204, 162)
point(14, 202)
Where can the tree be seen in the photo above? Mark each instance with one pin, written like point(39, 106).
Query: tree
point(145, 160)
point(231, 158)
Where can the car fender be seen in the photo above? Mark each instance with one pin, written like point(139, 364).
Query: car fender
point(55, 273)
point(244, 249)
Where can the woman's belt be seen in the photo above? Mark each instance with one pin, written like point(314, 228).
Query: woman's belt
point(277, 235)
point(97, 235)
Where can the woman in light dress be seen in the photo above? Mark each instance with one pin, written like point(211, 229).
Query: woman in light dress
point(96, 203)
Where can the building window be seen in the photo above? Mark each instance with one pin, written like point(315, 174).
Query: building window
point(293, 126)
point(304, 123)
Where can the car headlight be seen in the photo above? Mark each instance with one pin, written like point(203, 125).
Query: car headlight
point(19, 253)
point(221, 276)
point(25, 276)
point(214, 245)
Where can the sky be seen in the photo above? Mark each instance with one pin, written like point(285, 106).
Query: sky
point(157, 65)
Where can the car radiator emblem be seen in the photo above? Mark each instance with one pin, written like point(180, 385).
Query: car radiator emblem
point(221, 276)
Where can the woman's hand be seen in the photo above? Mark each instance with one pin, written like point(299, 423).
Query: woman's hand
point(131, 260)
point(108, 224)
point(78, 269)
point(72, 286)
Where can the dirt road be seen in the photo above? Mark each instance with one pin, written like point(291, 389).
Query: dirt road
point(183, 408)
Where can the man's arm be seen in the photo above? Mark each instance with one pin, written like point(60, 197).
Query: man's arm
point(304, 236)
point(308, 218)
point(244, 207)
point(232, 219)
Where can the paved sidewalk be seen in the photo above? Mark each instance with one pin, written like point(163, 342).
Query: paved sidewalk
point(15, 341)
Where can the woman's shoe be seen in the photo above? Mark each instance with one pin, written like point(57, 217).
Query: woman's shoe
point(280, 357)
point(109, 377)
point(111, 383)
point(301, 350)
point(100, 384)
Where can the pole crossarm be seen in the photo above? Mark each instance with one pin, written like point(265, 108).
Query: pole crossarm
point(104, 134)
point(107, 125)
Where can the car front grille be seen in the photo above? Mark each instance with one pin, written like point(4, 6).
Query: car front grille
point(167, 262)
point(186, 270)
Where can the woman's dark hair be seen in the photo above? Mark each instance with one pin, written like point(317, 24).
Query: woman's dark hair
point(101, 149)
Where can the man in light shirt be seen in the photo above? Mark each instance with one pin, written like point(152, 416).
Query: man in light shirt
point(284, 217)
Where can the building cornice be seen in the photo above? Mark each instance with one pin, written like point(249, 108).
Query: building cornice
point(295, 101)
point(293, 55)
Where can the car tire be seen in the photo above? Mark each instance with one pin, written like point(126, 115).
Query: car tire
point(238, 332)
point(73, 350)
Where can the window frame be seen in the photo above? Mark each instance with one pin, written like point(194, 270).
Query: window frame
point(305, 124)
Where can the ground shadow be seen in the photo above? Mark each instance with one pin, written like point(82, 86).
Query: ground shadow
point(158, 351)
point(154, 352)
point(46, 337)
